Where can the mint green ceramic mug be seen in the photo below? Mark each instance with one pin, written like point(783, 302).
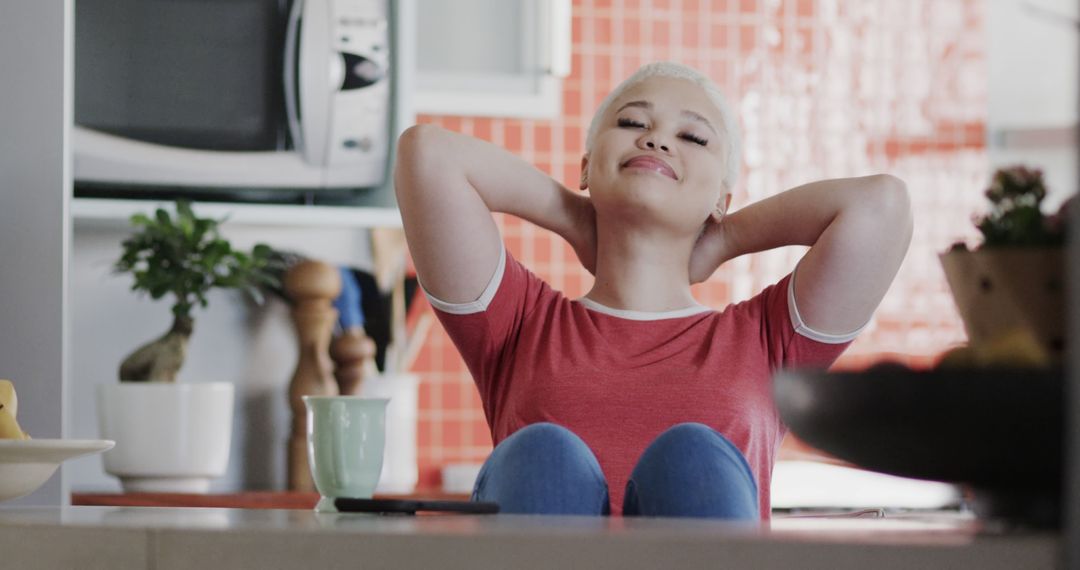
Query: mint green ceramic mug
point(345, 440)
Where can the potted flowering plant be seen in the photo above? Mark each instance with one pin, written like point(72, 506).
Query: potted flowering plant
point(1009, 289)
point(174, 437)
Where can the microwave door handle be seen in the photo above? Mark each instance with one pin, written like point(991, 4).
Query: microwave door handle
point(319, 64)
point(291, 48)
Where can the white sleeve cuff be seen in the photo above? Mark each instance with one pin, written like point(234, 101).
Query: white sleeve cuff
point(480, 304)
point(801, 328)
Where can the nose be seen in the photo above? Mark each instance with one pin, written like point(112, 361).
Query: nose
point(650, 141)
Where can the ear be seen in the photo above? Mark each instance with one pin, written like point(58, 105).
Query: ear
point(718, 213)
point(584, 172)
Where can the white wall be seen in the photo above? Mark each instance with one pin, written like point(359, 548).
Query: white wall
point(35, 188)
point(1032, 57)
point(1034, 78)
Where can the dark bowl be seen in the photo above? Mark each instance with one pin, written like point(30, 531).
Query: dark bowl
point(994, 429)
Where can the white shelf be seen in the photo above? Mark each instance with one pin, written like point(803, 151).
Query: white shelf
point(96, 212)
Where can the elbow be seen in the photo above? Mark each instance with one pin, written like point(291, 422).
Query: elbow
point(416, 145)
point(889, 191)
point(416, 150)
point(416, 138)
point(889, 199)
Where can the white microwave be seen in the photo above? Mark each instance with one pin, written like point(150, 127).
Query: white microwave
point(232, 94)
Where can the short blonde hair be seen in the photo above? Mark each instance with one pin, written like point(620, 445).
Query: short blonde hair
point(732, 152)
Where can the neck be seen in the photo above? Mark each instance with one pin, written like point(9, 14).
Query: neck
point(641, 269)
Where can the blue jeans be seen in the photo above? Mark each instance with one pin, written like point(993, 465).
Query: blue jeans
point(690, 470)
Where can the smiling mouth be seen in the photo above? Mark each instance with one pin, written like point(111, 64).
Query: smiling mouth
point(650, 164)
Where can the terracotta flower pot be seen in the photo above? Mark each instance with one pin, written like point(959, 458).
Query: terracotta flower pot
point(998, 291)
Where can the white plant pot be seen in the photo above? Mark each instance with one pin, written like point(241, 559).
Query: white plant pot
point(170, 438)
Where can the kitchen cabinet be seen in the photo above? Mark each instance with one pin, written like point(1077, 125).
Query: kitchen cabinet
point(1032, 113)
point(1025, 38)
point(491, 57)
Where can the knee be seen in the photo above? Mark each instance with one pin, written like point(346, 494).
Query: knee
point(543, 468)
point(691, 440)
point(553, 438)
point(545, 430)
point(692, 470)
point(693, 435)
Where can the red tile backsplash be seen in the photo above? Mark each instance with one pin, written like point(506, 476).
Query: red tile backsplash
point(822, 89)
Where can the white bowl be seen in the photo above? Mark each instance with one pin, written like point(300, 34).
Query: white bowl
point(26, 464)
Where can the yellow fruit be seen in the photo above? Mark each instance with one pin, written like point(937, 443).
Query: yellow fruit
point(960, 357)
point(1017, 348)
point(9, 406)
point(8, 398)
point(9, 428)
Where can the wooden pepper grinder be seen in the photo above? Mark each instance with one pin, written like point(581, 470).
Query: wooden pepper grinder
point(312, 285)
point(351, 351)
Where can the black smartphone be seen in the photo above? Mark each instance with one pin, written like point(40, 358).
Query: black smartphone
point(411, 507)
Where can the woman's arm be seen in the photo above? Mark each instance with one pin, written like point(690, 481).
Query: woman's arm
point(859, 230)
point(448, 185)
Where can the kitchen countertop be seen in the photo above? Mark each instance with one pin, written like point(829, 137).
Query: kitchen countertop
point(118, 538)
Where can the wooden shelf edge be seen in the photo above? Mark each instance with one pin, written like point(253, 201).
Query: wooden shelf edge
point(241, 500)
point(103, 212)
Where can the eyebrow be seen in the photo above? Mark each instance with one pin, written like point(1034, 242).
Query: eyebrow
point(686, 113)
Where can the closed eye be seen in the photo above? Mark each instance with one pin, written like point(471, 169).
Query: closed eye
point(633, 124)
point(694, 139)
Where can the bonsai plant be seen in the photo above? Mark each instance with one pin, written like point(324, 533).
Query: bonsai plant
point(173, 437)
point(1009, 288)
point(184, 257)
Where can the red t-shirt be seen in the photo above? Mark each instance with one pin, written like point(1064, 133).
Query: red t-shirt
point(619, 378)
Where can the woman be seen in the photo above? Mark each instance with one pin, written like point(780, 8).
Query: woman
point(635, 399)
